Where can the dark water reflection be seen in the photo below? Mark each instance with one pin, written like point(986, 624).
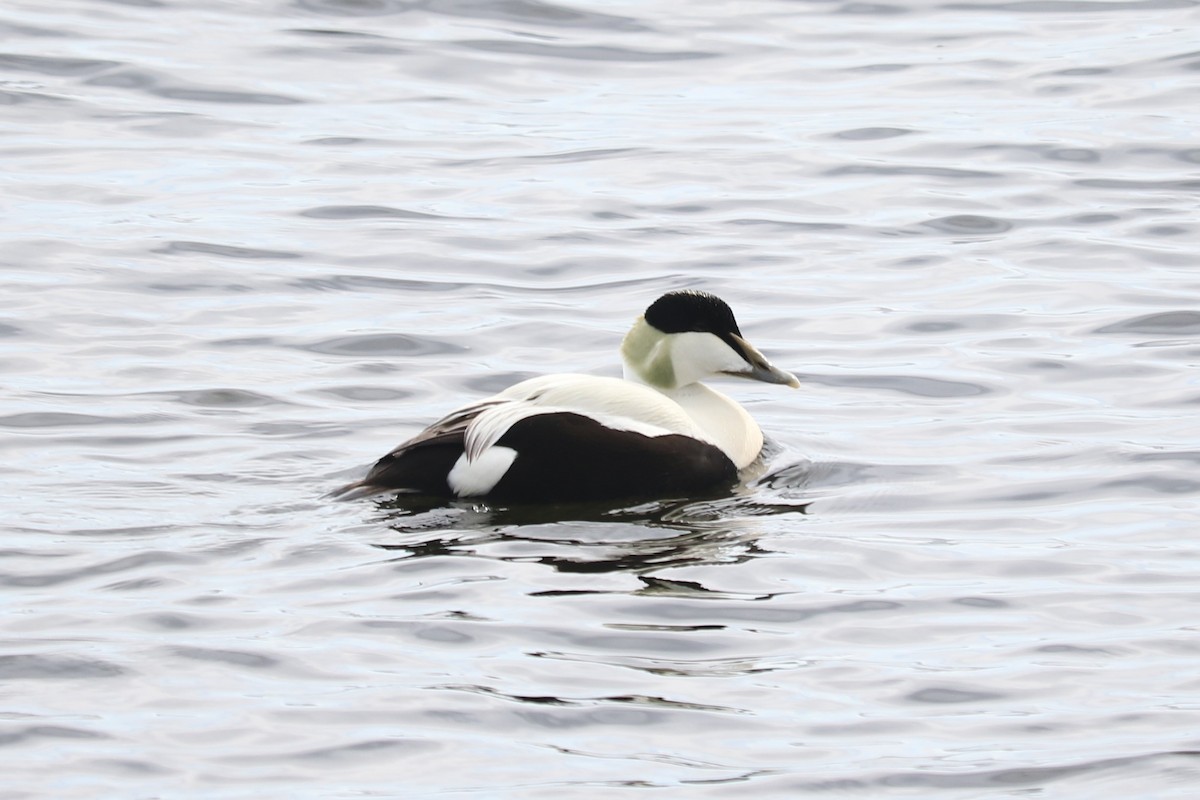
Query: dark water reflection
point(582, 539)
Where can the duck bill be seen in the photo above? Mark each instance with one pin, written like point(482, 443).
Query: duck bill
point(758, 368)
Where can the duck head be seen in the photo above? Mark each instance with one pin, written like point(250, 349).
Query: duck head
point(687, 336)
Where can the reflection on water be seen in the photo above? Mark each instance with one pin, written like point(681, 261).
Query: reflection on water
point(639, 539)
point(250, 246)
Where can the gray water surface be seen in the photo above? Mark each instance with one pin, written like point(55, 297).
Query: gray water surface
point(247, 247)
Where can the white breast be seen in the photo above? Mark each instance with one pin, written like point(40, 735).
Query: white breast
point(725, 423)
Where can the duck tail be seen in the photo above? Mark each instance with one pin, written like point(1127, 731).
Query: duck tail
point(356, 490)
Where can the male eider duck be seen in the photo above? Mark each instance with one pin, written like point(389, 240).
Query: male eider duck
point(657, 433)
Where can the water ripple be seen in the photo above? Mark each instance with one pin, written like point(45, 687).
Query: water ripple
point(226, 251)
point(582, 52)
point(381, 345)
point(932, 172)
point(1080, 6)
point(523, 11)
point(905, 384)
point(124, 564)
point(368, 212)
point(53, 65)
point(873, 133)
point(59, 419)
point(54, 667)
point(32, 733)
point(237, 658)
point(1170, 323)
point(152, 84)
point(973, 224)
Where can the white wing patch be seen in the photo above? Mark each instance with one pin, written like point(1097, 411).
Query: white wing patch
point(480, 476)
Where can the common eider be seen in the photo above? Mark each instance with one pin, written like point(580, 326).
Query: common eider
point(657, 433)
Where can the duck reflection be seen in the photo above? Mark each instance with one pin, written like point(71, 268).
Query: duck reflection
point(587, 538)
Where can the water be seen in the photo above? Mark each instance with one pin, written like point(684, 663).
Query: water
point(247, 247)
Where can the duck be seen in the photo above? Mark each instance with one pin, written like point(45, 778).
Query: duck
point(657, 432)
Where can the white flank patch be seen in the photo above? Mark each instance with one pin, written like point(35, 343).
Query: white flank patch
point(478, 476)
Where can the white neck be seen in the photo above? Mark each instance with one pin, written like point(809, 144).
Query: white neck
point(723, 421)
point(674, 364)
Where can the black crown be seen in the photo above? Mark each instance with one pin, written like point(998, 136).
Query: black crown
point(690, 310)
